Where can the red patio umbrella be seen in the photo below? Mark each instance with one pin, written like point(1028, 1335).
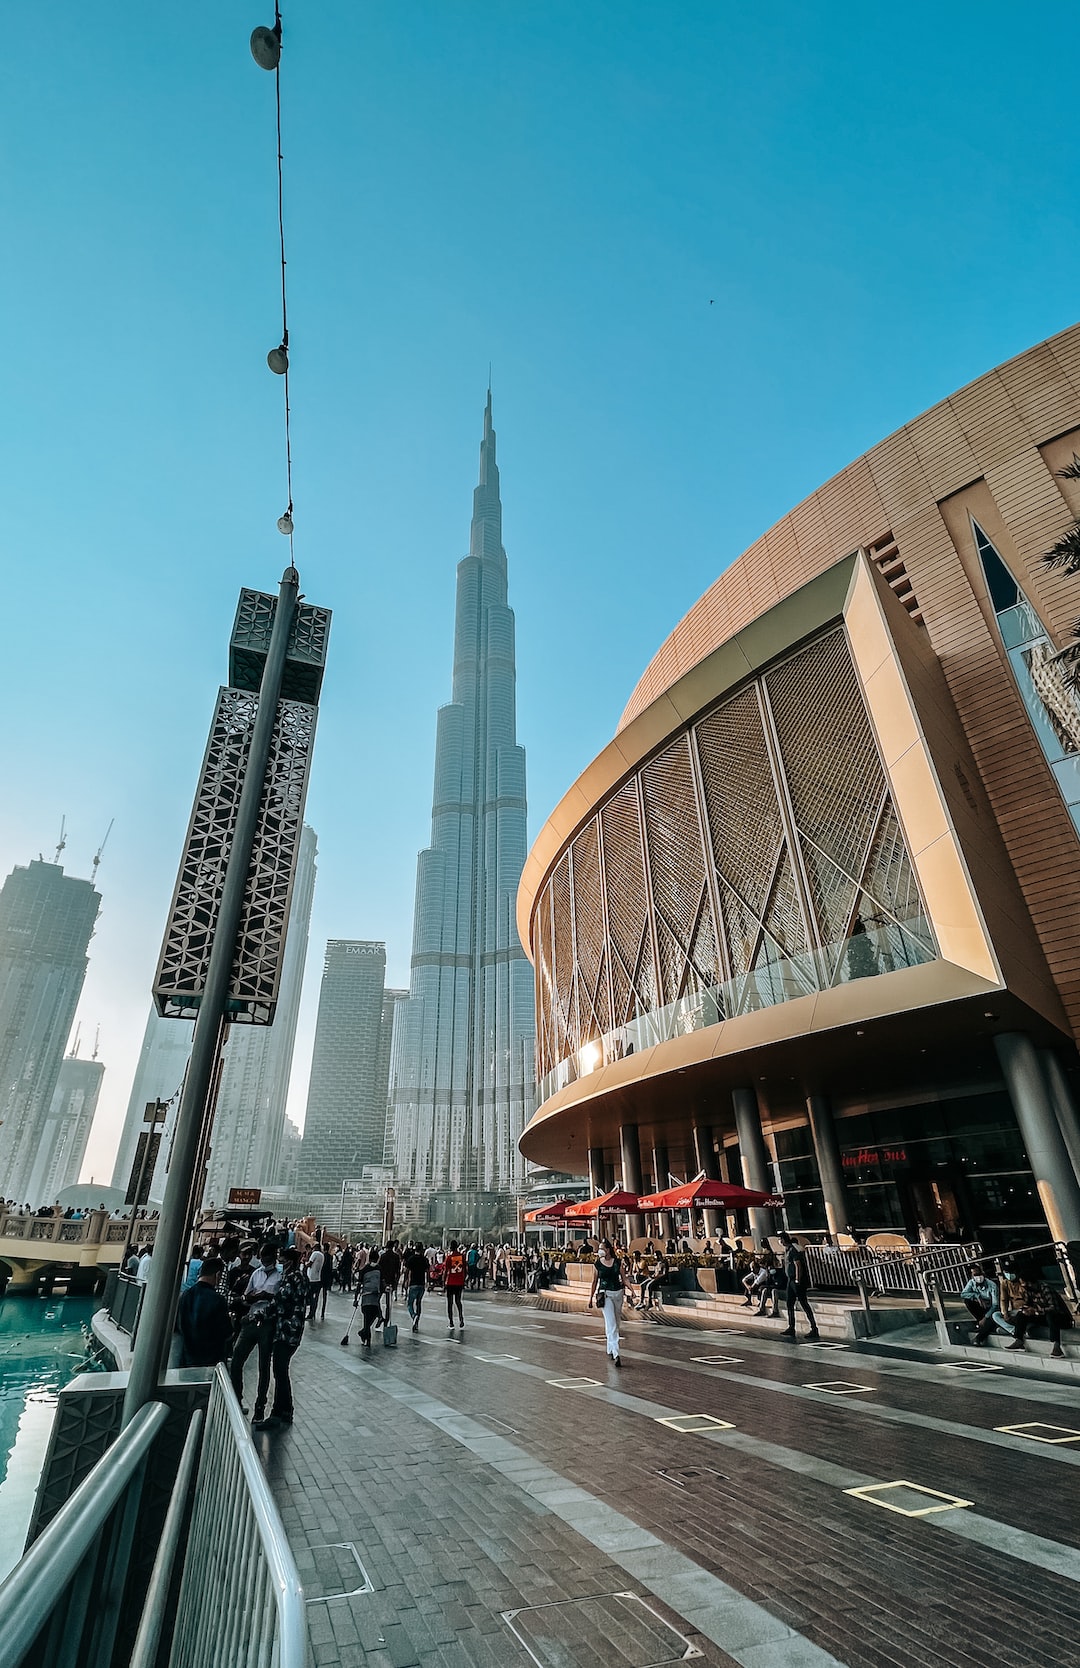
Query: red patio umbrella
point(708, 1195)
point(615, 1203)
point(555, 1212)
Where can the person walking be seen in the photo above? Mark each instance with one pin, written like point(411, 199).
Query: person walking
point(455, 1271)
point(313, 1270)
point(257, 1329)
point(369, 1298)
point(798, 1284)
point(326, 1279)
point(416, 1273)
point(290, 1305)
point(203, 1319)
point(607, 1293)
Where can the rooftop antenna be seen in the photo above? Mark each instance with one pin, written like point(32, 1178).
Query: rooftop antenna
point(98, 852)
point(97, 1039)
point(63, 841)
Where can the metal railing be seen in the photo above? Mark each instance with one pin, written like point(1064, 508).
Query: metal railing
point(888, 1272)
point(60, 1604)
point(123, 1295)
point(240, 1599)
point(937, 1273)
point(237, 1592)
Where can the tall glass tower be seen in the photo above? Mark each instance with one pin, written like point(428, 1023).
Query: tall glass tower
point(463, 1078)
point(46, 919)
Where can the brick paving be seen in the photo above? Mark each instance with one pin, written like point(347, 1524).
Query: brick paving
point(458, 1524)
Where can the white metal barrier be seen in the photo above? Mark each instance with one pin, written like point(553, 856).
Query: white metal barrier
point(241, 1601)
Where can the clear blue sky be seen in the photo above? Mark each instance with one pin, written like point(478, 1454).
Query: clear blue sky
point(879, 202)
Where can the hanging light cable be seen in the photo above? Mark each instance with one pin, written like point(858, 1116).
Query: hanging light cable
point(266, 51)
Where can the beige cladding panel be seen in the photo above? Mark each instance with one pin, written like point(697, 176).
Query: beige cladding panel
point(945, 885)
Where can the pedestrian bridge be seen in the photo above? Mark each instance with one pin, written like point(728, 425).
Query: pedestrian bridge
point(30, 1244)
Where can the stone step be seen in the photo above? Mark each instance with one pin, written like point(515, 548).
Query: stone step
point(957, 1338)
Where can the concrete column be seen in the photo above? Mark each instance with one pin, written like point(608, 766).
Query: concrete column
point(630, 1149)
point(661, 1169)
point(596, 1171)
point(754, 1158)
point(705, 1158)
point(1055, 1177)
point(830, 1166)
point(1064, 1103)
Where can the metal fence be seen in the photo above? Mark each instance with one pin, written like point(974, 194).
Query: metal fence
point(123, 1297)
point(224, 1588)
point(241, 1599)
point(61, 1603)
point(888, 1272)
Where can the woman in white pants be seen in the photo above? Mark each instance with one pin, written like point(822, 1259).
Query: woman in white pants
point(607, 1293)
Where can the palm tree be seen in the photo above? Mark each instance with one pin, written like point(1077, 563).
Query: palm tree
point(1066, 552)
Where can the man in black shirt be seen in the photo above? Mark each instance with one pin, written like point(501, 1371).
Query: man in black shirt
point(416, 1274)
point(798, 1284)
point(206, 1333)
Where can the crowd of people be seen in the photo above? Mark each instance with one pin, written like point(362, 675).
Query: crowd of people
point(240, 1299)
point(638, 1278)
point(243, 1299)
point(73, 1213)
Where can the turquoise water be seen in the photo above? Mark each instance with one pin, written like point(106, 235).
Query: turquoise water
point(44, 1343)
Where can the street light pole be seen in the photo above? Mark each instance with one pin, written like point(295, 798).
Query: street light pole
point(155, 1326)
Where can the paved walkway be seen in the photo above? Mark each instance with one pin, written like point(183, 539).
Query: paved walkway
point(507, 1497)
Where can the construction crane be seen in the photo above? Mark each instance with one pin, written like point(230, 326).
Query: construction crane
point(98, 852)
point(63, 840)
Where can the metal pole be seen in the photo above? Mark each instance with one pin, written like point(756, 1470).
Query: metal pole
point(155, 1326)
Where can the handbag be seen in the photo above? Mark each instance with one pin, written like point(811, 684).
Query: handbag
point(600, 1298)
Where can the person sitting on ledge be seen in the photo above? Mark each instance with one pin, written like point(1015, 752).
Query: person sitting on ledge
point(755, 1284)
point(650, 1288)
point(982, 1300)
point(1028, 1301)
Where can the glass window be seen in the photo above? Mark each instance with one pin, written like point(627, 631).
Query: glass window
point(1051, 701)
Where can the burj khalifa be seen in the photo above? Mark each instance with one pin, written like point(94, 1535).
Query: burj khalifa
point(463, 1071)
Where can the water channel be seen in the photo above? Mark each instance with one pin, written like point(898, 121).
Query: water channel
point(44, 1344)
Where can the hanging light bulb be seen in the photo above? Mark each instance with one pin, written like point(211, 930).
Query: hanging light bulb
point(278, 360)
point(285, 522)
point(266, 47)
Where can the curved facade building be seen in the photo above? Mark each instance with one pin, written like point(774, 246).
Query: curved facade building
point(812, 919)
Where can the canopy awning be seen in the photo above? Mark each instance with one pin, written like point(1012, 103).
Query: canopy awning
point(616, 1203)
point(710, 1195)
point(554, 1212)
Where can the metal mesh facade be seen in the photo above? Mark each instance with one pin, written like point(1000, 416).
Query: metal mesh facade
point(185, 952)
point(757, 858)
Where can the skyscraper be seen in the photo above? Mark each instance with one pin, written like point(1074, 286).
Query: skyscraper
point(66, 1129)
point(464, 1067)
point(46, 919)
point(256, 1064)
point(162, 1063)
point(345, 1126)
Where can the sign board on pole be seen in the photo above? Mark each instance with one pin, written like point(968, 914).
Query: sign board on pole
point(245, 1196)
point(142, 1169)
